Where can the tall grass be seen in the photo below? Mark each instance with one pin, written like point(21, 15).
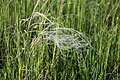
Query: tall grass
point(26, 54)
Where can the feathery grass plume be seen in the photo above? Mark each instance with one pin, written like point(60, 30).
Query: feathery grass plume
point(64, 38)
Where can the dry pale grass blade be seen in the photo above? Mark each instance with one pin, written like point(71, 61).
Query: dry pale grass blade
point(40, 22)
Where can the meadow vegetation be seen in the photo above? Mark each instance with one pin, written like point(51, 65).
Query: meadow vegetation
point(60, 39)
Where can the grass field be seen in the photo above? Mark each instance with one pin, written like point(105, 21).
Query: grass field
point(59, 39)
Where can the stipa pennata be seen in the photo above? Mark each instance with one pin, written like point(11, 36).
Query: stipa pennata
point(65, 38)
